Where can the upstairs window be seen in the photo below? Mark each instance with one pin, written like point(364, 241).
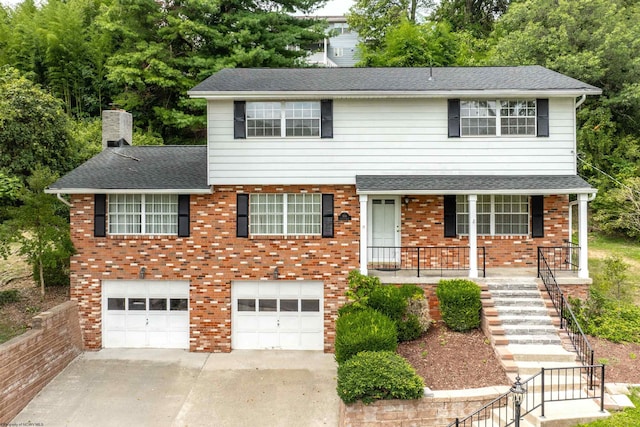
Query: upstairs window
point(143, 214)
point(496, 215)
point(338, 52)
point(498, 117)
point(283, 119)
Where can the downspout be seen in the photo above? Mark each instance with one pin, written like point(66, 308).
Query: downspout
point(59, 196)
point(580, 101)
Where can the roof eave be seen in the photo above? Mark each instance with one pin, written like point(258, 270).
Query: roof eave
point(480, 192)
point(247, 94)
point(208, 190)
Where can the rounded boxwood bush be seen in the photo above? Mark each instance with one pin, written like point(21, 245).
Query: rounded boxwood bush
point(409, 328)
point(412, 291)
point(362, 330)
point(376, 375)
point(459, 304)
point(388, 299)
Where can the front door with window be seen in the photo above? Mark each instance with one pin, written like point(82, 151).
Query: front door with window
point(385, 231)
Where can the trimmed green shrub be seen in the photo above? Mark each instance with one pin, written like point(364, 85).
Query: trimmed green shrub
point(412, 291)
point(459, 304)
point(360, 288)
point(409, 329)
point(349, 308)
point(388, 299)
point(362, 330)
point(9, 296)
point(376, 375)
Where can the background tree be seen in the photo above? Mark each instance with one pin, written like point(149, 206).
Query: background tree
point(37, 227)
point(474, 16)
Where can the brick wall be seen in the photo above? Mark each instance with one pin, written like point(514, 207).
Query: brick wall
point(211, 258)
point(31, 360)
point(423, 225)
point(436, 411)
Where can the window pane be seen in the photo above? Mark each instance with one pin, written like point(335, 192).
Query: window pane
point(478, 117)
point(268, 305)
point(304, 214)
point(125, 214)
point(246, 305)
point(136, 304)
point(512, 214)
point(309, 305)
point(302, 118)
point(161, 213)
point(266, 214)
point(115, 304)
point(263, 119)
point(157, 304)
point(288, 305)
point(518, 117)
point(178, 304)
point(462, 215)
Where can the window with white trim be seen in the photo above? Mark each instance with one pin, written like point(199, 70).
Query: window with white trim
point(496, 214)
point(498, 117)
point(283, 119)
point(338, 52)
point(143, 214)
point(285, 214)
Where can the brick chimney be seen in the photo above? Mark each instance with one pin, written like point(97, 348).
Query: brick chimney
point(117, 128)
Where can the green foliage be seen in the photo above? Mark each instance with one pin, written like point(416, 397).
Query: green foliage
point(419, 308)
point(625, 418)
point(410, 328)
point(370, 376)
point(55, 270)
point(411, 291)
point(361, 330)
point(9, 296)
point(620, 209)
point(37, 227)
point(618, 323)
point(477, 17)
point(349, 308)
point(459, 303)
point(613, 282)
point(388, 299)
point(360, 288)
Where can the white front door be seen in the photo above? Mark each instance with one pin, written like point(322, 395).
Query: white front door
point(145, 313)
point(284, 315)
point(385, 230)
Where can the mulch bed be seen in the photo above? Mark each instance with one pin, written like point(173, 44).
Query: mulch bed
point(622, 360)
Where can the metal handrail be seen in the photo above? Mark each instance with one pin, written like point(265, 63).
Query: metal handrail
point(421, 258)
point(548, 385)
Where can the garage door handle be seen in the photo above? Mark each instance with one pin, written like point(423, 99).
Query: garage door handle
point(278, 323)
point(147, 324)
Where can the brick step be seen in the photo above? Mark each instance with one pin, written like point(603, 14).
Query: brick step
point(526, 320)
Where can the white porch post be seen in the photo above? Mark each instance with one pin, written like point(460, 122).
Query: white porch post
point(364, 261)
point(583, 263)
point(473, 236)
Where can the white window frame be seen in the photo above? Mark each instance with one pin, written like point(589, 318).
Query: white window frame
point(280, 215)
point(498, 105)
point(283, 112)
point(488, 201)
point(140, 210)
point(338, 52)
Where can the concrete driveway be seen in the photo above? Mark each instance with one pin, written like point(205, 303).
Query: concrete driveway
point(175, 388)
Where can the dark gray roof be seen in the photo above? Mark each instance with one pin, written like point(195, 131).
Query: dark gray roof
point(447, 184)
point(140, 168)
point(532, 77)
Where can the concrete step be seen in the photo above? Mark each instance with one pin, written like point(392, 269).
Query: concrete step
point(567, 414)
point(534, 339)
point(519, 301)
point(530, 330)
point(508, 310)
point(525, 320)
point(501, 417)
point(527, 368)
point(509, 293)
point(545, 353)
point(512, 286)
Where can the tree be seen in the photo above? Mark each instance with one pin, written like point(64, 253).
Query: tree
point(33, 128)
point(371, 19)
point(474, 16)
point(36, 226)
point(622, 209)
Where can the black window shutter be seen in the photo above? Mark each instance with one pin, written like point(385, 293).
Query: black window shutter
point(100, 215)
point(327, 215)
point(239, 119)
point(183, 215)
point(542, 107)
point(537, 216)
point(454, 118)
point(326, 118)
point(450, 216)
point(242, 216)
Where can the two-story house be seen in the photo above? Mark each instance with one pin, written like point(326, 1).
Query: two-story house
point(308, 174)
point(339, 48)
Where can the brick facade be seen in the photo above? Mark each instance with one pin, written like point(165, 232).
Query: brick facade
point(212, 257)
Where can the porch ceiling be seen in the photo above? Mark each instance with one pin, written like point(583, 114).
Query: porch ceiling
point(472, 184)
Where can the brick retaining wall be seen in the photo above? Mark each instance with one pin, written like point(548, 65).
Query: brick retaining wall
point(436, 411)
point(34, 358)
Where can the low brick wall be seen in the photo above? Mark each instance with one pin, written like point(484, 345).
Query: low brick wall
point(30, 361)
point(438, 410)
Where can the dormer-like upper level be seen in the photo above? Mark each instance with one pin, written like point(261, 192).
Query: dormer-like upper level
point(327, 125)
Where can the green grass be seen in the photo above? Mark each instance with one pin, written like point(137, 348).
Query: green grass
point(601, 246)
point(628, 417)
point(9, 331)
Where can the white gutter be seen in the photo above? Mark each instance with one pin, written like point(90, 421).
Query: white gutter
point(128, 191)
point(589, 191)
point(581, 101)
point(59, 196)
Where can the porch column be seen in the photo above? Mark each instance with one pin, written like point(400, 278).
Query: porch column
point(583, 260)
point(364, 261)
point(473, 236)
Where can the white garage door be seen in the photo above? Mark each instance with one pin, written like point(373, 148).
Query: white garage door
point(145, 313)
point(284, 315)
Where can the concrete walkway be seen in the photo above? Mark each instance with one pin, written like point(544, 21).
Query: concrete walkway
point(176, 388)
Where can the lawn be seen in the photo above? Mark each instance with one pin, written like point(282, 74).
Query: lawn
point(626, 418)
point(601, 246)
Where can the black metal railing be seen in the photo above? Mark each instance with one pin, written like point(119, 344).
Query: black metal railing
point(560, 258)
point(424, 258)
point(568, 320)
point(548, 385)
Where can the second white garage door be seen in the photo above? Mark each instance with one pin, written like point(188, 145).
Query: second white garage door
point(286, 315)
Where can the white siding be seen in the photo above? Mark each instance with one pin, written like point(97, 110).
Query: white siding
point(385, 136)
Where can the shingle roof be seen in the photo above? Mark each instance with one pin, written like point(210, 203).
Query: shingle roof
point(139, 168)
point(532, 77)
point(469, 184)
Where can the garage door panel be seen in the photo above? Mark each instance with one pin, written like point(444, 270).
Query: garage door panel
point(145, 313)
